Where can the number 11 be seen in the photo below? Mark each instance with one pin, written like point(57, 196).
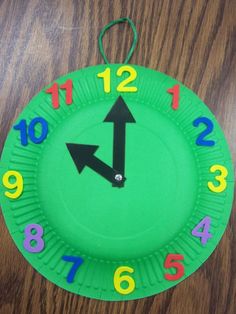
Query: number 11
point(54, 90)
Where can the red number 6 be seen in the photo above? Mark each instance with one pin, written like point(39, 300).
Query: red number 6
point(171, 262)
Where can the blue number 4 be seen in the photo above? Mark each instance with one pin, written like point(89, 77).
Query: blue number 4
point(77, 261)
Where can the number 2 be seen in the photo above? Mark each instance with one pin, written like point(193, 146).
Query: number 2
point(220, 178)
point(201, 141)
point(133, 74)
point(122, 87)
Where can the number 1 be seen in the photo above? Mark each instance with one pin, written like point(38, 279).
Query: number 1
point(106, 75)
point(175, 100)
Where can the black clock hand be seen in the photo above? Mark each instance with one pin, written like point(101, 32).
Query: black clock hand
point(119, 115)
point(83, 155)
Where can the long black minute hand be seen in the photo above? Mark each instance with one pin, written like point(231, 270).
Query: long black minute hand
point(83, 155)
point(119, 115)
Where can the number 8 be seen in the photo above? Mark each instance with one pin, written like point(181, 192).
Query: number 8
point(37, 237)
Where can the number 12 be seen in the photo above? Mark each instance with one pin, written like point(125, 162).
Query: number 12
point(106, 76)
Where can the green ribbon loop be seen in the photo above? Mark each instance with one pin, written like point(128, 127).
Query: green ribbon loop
point(134, 43)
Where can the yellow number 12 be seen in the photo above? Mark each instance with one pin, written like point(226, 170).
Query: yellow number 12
point(122, 87)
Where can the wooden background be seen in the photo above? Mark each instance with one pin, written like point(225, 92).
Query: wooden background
point(191, 40)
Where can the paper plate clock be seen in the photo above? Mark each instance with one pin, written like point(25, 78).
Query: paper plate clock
point(117, 182)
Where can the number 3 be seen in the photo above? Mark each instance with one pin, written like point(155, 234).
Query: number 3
point(220, 178)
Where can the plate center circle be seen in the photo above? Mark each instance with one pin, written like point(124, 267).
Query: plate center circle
point(109, 222)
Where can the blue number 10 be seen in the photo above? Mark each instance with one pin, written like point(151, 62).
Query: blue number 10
point(29, 131)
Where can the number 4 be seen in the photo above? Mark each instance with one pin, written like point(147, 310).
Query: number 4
point(203, 226)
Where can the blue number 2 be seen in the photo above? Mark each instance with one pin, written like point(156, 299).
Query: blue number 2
point(209, 128)
point(77, 261)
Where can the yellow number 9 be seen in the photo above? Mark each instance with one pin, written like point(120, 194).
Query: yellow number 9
point(17, 184)
point(220, 178)
point(118, 279)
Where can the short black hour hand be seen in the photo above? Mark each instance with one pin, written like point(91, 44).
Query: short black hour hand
point(119, 115)
point(83, 155)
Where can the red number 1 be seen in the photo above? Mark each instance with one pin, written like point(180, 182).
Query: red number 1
point(54, 90)
point(175, 91)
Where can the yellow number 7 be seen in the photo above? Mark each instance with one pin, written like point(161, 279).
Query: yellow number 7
point(220, 178)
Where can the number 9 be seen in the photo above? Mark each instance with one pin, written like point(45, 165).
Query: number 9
point(18, 184)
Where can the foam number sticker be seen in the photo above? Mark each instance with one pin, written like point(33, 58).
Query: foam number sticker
point(106, 75)
point(220, 178)
point(132, 76)
point(122, 87)
point(30, 132)
point(175, 99)
point(202, 230)
point(13, 180)
point(172, 261)
point(33, 242)
point(201, 141)
point(118, 280)
point(54, 90)
point(77, 261)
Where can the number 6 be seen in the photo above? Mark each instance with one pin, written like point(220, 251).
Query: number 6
point(118, 279)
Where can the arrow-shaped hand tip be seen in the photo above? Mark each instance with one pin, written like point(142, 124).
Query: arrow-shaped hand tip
point(81, 154)
point(120, 113)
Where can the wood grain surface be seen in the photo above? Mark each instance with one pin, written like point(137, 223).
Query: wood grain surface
point(191, 40)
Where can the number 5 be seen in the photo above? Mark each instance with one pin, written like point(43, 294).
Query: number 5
point(171, 262)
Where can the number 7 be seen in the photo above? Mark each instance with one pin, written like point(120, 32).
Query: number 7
point(77, 262)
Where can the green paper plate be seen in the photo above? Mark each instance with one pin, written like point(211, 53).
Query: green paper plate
point(165, 194)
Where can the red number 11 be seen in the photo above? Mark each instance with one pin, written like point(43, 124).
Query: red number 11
point(54, 90)
point(175, 91)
